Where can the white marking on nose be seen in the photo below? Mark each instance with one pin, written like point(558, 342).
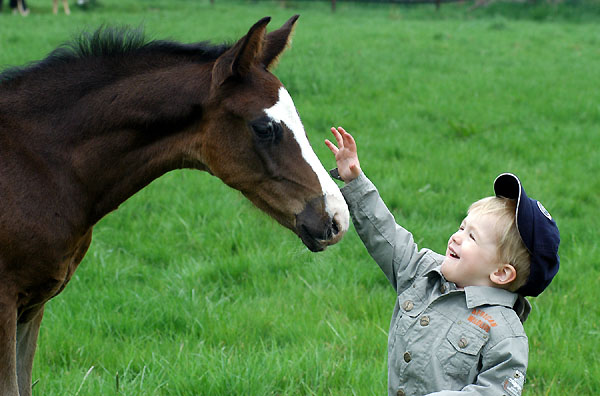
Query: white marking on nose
point(285, 111)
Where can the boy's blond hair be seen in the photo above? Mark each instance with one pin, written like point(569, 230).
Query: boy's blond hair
point(511, 248)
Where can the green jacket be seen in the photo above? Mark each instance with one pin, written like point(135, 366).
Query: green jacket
point(442, 341)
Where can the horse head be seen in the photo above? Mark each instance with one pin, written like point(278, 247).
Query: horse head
point(254, 141)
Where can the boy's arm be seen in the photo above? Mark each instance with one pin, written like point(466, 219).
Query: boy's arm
point(390, 245)
point(503, 371)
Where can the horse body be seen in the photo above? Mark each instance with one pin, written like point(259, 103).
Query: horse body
point(72, 149)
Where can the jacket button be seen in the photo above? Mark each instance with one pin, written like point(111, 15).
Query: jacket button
point(408, 305)
point(424, 320)
point(407, 357)
point(400, 393)
point(463, 342)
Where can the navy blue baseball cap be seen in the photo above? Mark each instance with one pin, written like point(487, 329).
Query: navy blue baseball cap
point(538, 231)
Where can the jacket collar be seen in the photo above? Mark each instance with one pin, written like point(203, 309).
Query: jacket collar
point(483, 295)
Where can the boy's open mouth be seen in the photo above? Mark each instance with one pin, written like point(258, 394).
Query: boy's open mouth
point(453, 254)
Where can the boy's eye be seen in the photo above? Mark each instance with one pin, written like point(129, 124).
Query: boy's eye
point(472, 236)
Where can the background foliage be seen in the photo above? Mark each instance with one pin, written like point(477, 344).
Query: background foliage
point(188, 290)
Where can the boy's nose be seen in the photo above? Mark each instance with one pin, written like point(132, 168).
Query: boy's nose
point(456, 237)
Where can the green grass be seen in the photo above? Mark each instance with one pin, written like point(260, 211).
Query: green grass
point(188, 290)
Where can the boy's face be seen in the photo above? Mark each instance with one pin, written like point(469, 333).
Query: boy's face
point(471, 256)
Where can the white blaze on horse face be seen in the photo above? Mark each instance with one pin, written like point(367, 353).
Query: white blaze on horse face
point(285, 111)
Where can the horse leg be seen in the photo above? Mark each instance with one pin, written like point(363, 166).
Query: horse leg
point(8, 350)
point(66, 7)
point(27, 334)
point(55, 7)
point(21, 8)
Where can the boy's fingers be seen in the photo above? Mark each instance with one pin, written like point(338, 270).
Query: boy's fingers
point(349, 140)
point(337, 136)
point(331, 146)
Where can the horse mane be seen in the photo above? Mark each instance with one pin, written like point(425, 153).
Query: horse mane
point(113, 43)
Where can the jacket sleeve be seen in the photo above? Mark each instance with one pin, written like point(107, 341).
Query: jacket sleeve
point(503, 371)
point(390, 245)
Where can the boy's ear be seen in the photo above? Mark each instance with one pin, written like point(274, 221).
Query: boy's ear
point(503, 275)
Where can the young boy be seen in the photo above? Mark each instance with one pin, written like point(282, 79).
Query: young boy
point(457, 323)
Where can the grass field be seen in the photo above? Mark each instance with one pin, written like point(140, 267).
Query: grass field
point(189, 290)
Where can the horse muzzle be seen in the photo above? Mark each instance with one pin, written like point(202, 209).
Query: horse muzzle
point(322, 222)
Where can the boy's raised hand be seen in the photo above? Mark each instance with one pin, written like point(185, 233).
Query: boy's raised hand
point(345, 153)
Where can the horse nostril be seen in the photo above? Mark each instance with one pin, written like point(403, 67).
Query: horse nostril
point(328, 233)
point(332, 231)
point(335, 227)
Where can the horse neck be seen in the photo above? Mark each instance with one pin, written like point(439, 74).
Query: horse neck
point(134, 130)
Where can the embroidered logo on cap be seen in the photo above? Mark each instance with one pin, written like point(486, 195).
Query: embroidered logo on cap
point(543, 210)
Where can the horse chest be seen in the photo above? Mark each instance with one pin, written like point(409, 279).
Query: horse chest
point(42, 280)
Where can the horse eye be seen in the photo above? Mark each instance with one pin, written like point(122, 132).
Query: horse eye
point(267, 130)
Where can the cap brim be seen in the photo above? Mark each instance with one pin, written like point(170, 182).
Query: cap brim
point(508, 185)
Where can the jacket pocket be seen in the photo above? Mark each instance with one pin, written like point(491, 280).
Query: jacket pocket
point(408, 307)
point(459, 351)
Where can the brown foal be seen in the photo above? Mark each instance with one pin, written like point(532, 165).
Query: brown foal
point(97, 120)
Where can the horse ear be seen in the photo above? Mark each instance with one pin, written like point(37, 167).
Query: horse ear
point(238, 60)
point(277, 41)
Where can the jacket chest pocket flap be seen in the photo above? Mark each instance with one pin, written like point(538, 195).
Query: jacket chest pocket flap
point(410, 306)
point(459, 351)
